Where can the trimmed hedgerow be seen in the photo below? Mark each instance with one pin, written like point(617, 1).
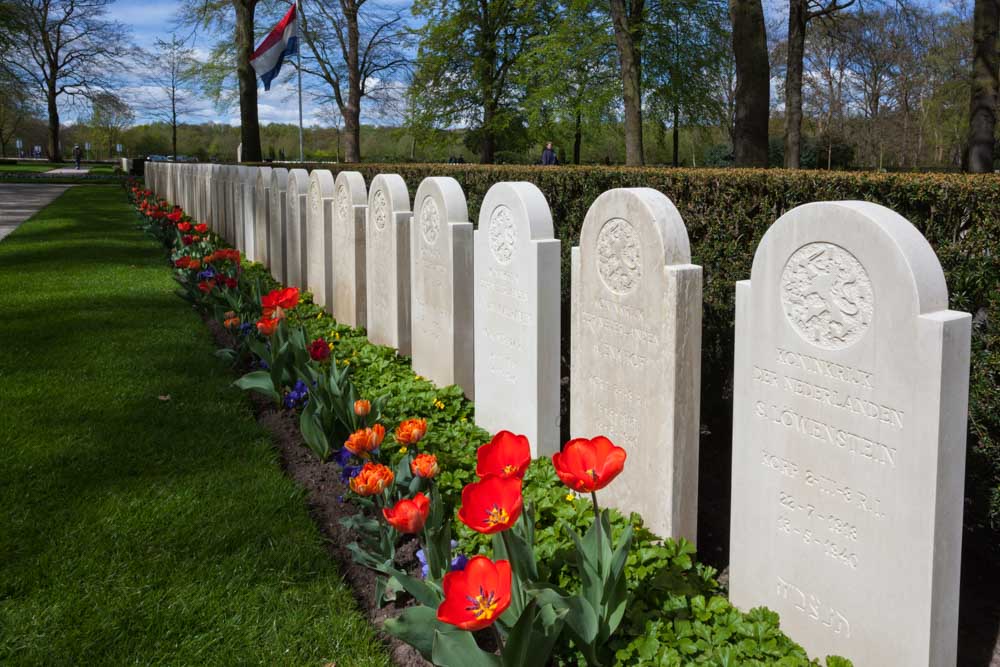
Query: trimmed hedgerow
point(727, 212)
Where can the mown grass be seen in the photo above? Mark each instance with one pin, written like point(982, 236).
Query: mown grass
point(135, 529)
point(42, 167)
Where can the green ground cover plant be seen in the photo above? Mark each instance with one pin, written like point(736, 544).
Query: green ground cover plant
point(144, 517)
point(677, 612)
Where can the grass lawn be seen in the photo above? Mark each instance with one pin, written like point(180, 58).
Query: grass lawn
point(42, 167)
point(135, 529)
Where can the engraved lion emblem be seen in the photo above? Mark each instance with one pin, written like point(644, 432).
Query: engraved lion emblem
point(827, 295)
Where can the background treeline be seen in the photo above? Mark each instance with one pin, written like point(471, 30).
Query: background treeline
point(829, 84)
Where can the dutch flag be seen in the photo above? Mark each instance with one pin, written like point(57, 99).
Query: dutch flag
point(281, 42)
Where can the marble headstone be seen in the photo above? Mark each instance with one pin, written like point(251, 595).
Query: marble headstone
point(636, 353)
point(517, 327)
point(319, 255)
point(248, 178)
point(349, 290)
point(295, 225)
point(278, 236)
point(850, 408)
point(441, 285)
point(262, 216)
point(387, 250)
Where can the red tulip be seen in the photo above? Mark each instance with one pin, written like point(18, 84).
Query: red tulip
point(280, 298)
point(492, 504)
point(319, 350)
point(184, 226)
point(408, 516)
point(506, 455)
point(206, 286)
point(477, 595)
point(589, 465)
point(201, 228)
point(268, 325)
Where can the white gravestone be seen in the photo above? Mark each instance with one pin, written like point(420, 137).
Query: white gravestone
point(248, 179)
point(636, 353)
point(517, 327)
point(262, 216)
point(228, 214)
point(236, 207)
point(319, 254)
point(295, 227)
point(387, 253)
point(850, 400)
point(277, 243)
point(214, 200)
point(349, 291)
point(441, 285)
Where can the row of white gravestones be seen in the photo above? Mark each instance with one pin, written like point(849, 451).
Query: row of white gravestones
point(851, 379)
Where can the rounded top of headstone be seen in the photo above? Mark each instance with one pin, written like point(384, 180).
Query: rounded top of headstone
point(246, 173)
point(279, 178)
point(439, 200)
point(264, 177)
point(828, 259)
point(323, 182)
point(353, 184)
point(298, 180)
point(388, 193)
point(629, 230)
point(511, 213)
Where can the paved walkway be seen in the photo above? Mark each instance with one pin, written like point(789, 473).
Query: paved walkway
point(67, 171)
point(18, 202)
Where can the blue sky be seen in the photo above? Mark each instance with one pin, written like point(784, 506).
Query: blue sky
point(150, 20)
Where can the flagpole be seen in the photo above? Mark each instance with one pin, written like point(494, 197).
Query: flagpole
point(298, 49)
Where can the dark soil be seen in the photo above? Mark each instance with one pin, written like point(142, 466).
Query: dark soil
point(329, 502)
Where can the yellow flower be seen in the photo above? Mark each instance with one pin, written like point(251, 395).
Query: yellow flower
point(570, 497)
point(336, 335)
point(330, 345)
point(463, 419)
point(402, 450)
point(439, 405)
point(418, 377)
point(319, 315)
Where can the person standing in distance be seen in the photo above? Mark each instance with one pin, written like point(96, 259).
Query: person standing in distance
point(549, 155)
point(77, 154)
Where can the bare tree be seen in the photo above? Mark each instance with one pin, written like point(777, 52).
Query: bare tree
point(171, 66)
point(110, 117)
point(15, 109)
point(359, 50)
point(71, 51)
point(627, 17)
point(753, 83)
point(983, 101)
point(800, 14)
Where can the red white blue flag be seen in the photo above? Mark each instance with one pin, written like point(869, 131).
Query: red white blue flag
point(280, 43)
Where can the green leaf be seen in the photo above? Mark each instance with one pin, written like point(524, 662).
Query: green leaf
point(459, 649)
point(259, 381)
point(531, 640)
point(416, 626)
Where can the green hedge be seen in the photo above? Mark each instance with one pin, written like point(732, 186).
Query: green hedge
point(727, 212)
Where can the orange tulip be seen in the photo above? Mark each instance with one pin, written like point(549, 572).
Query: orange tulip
point(373, 478)
point(424, 465)
point(362, 407)
point(411, 431)
point(365, 440)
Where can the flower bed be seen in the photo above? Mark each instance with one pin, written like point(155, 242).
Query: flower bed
point(517, 564)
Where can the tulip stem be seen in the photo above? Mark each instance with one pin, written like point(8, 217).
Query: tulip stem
point(496, 631)
point(597, 521)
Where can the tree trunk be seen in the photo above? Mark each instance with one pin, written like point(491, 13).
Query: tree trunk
point(577, 138)
point(352, 110)
point(677, 135)
point(753, 83)
point(173, 123)
point(797, 19)
point(54, 149)
point(249, 123)
point(628, 37)
point(488, 140)
point(983, 103)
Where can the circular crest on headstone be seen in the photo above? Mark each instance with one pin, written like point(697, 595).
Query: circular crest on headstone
point(343, 204)
point(430, 220)
point(619, 257)
point(503, 234)
point(379, 205)
point(827, 295)
point(314, 196)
